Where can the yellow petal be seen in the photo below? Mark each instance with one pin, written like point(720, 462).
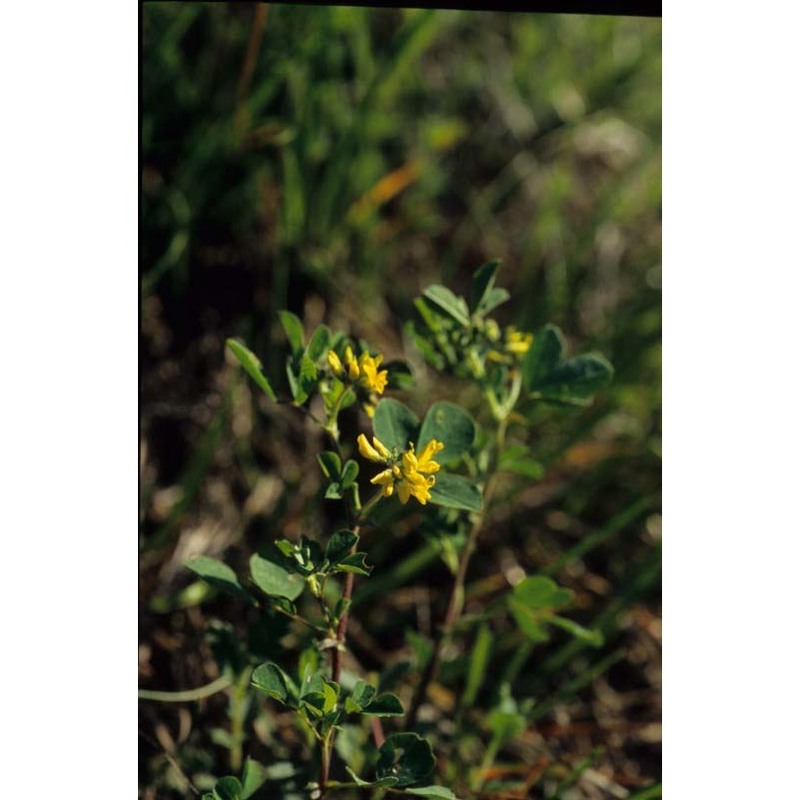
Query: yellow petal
point(367, 450)
point(403, 491)
point(352, 364)
point(335, 363)
point(381, 447)
point(383, 478)
point(424, 459)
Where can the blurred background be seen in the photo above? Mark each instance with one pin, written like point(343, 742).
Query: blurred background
point(334, 161)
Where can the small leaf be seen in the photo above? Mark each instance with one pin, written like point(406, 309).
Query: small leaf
point(436, 792)
point(543, 356)
point(448, 302)
point(228, 788)
point(217, 574)
point(360, 697)
point(455, 491)
point(406, 757)
point(539, 591)
point(339, 545)
point(576, 379)
point(354, 563)
point(274, 580)
point(482, 282)
point(307, 376)
point(492, 299)
point(450, 424)
point(395, 424)
point(384, 705)
point(331, 691)
point(349, 473)
point(270, 679)
point(293, 328)
point(319, 343)
point(253, 777)
point(532, 603)
point(331, 464)
point(252, 366)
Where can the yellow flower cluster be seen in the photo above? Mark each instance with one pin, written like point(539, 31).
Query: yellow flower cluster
point(516, 343)
point(409, 473)
point(362, 372)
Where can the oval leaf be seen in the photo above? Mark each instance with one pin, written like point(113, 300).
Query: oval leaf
point(274, 580)
point(228, 788)
point(453, 491)
point(395, 424)
point(577, 378)
point(543, 356)
point(450, 424)
point(252, 366)
point(406, 757)
point(270, 679)
point(217, 574)
point(293, 328)
point(384, 705)
point(448, 302)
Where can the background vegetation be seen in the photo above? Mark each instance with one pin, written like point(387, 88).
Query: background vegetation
point(334, 161)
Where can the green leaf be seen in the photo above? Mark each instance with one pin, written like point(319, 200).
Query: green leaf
point(478, 662)
point(331, 691)
point(532, 603)
point(395, 424)
point(339, 545)
point(331, 464)
point(450, 424)
point(360, 697)
point(543, 356)
point(274, 580)
point(436, 792)
point(307, 376)
point(270, 679)
point(547, 375)
point(252, 366)
point(349, 473)
point(492, 299)
point(319, 343)
point(454, 491)
point(228, 788)
point(448, 302)
point(482, 282)
point(384, 705)
point(293, 328)
point(406, 757)
point(576, 379)
point(217, 574)
point(253, 777)
point(354, 563)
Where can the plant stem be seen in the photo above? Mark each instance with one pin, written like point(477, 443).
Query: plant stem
point(456, 602)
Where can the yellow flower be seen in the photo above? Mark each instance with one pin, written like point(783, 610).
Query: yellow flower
point(370, 377)
point(410, 474)
point(517, 342)
point(335, 363)
point(352, 364)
